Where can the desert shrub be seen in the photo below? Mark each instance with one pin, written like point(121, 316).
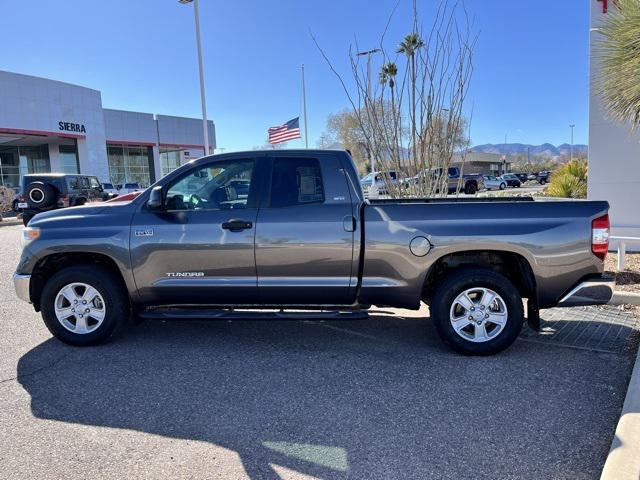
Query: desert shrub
point(569, 181)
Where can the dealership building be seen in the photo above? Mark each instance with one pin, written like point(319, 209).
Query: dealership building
point(614, 148)
point(51, 126)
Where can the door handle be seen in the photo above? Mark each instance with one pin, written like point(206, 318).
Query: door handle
point(237, 225)
point(349, 223)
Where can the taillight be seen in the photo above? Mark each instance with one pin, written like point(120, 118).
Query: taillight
point(63, 201)
point(600, 236)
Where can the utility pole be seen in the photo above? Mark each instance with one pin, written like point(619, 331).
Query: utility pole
point(572, 126)
point(368, 53)
point(504, 160)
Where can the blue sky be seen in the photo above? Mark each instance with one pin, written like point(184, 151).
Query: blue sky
point(530, 80)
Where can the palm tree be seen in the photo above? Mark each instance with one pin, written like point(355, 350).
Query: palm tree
point(388, 75)
point(411, 43)
point(620, 54)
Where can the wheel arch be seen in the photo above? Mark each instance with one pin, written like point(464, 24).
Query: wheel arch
point(512, 265)
point(50, 264)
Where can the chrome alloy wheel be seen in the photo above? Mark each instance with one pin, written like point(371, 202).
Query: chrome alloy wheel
point(79, 308)
point(478, 314)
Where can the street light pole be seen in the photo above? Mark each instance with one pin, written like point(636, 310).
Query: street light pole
point(205, 126)
point(368, 53)
point(571, 149)
point(504, 159)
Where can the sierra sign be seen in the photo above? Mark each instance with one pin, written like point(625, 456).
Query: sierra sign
point(71, 127)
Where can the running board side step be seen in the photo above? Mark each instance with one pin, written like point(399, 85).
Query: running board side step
point(203, 314)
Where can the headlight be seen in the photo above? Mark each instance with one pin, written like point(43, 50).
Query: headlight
point(29, 234)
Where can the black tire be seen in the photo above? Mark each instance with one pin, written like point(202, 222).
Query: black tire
point(502, 186)
point(455, 284)
point(471, 188)
point(26, 218)
point(518, 185)
point(14, 205)
point(40, 195)
point(110, 287)
point(543, 181)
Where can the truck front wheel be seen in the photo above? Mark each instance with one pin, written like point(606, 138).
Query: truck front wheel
point(477, 312)
point(84, 305)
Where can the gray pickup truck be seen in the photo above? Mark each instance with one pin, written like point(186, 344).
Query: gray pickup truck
point(291, 230)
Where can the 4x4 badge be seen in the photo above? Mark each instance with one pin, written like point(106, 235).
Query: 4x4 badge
point(144, 232)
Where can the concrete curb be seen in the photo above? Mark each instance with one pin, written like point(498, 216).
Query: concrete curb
point(8, 222)
point(623, 461)
point(624, 298)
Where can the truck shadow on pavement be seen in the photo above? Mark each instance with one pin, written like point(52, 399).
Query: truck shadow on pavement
point(379, 398)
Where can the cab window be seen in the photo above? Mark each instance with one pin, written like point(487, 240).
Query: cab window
point(213, 186)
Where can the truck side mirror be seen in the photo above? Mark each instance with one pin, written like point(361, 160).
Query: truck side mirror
point(155, 198)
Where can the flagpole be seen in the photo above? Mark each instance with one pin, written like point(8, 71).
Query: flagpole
point(304, 103)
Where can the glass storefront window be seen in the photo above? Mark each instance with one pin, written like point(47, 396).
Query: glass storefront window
point(129, 164)
point(69, 159)
point(16, 161)
point(169, 160)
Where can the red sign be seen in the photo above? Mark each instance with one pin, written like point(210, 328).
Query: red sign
point(605, 5)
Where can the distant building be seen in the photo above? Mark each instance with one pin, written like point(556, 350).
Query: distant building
point(614, 152)
point(51, 126)
point(486, 163)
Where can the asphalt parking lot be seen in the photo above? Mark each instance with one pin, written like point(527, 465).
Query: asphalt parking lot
point(377, 398)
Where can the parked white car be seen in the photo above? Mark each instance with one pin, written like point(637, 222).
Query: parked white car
point(494, 183)
point(129, 188)
point(109, 188)
point(375, 189)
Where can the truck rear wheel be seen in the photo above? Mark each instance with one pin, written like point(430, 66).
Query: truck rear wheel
point(471, 188)
point(477, 312)
point(84, 305)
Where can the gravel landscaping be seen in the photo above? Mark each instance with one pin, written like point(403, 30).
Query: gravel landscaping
point(629, 279)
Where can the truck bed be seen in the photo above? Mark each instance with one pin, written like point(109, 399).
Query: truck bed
point(451, 200)
point(553, 237)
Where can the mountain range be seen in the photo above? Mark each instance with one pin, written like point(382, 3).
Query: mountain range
point(545, 150)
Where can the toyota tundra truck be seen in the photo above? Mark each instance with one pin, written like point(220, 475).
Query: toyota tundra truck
point(275, 231)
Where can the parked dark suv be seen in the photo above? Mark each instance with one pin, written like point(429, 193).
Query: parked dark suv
point(543, 177)
point(49, 191)
point(523, 177)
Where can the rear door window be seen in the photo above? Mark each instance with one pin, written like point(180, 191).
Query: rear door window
point(296, 181)
point(73, 183)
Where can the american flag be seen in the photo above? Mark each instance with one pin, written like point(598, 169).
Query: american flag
point(282, 133)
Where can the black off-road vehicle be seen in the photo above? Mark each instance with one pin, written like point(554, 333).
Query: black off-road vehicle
point(49, 191)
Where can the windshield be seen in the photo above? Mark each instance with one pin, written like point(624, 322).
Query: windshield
point(368, 178)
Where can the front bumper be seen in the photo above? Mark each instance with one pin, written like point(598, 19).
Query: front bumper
point(594, 291)
point(22, 283)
